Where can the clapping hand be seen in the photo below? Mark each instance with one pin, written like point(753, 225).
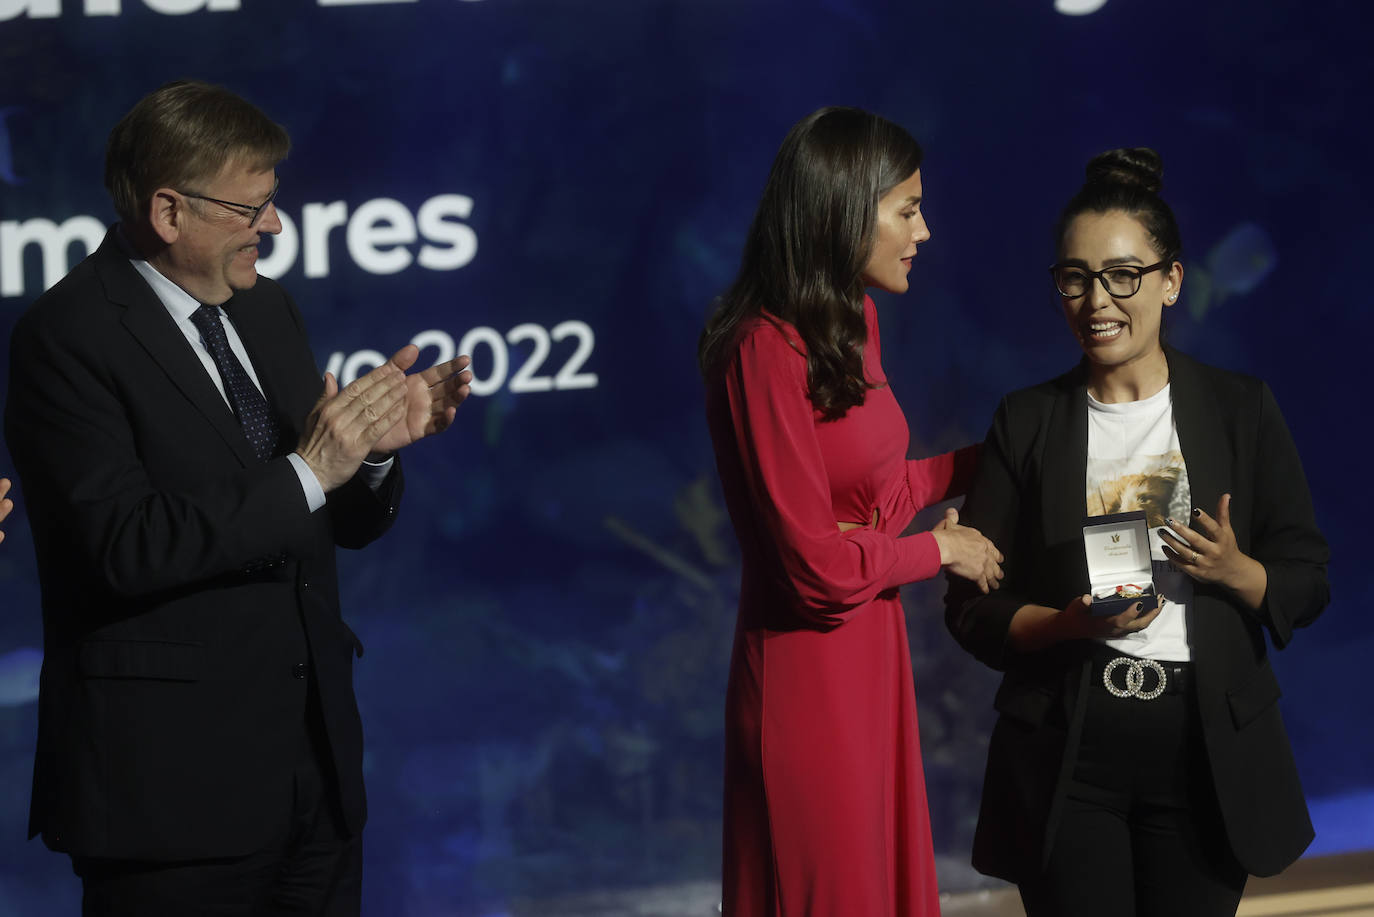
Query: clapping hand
point(431, 402)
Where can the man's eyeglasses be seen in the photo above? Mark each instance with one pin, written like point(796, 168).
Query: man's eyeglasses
point(254, 214)
point(1122, 281)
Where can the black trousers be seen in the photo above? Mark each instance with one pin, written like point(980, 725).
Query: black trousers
point(312, 868)
point(1140, 834)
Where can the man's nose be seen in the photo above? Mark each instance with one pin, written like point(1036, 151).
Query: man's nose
point(269, 223)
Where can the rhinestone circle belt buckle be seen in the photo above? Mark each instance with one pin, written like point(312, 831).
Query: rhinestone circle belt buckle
point(1135, 678)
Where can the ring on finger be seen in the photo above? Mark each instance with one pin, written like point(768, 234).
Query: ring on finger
point(1194, 560)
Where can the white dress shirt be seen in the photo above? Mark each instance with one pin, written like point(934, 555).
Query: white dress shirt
point(181, 305)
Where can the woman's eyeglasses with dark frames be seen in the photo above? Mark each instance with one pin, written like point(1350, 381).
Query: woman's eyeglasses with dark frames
point(1121, 281)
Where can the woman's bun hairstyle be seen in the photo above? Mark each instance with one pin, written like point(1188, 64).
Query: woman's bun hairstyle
point(1135, 166)
point(1127, 180)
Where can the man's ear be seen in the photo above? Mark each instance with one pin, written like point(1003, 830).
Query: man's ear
point(166, 213)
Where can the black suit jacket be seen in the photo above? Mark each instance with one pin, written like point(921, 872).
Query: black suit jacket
point(1028, 497)
point(189, 596)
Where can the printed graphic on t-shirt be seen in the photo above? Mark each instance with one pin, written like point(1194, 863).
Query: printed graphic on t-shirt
point(1157, 484)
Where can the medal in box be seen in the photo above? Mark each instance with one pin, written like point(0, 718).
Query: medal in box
point(1118, 553)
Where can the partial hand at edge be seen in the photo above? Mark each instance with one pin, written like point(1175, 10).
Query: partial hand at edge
point(5, 504)
point(344, 426)
point(967, 553)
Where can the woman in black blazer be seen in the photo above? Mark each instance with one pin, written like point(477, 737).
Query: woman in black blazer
point(1139, 765)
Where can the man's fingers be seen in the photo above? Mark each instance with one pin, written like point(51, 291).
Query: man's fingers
point(440, 422)
point(381, 403)
point(456, 387)
point(381, 388)
point(442, 372)
point(405, 358)
point(382, 418)
point(363, 403)
point(386, 376)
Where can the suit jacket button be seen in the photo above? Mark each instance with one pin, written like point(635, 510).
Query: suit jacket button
point(298, 670)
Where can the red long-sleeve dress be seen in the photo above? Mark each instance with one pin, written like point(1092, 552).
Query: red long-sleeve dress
point(825, 803)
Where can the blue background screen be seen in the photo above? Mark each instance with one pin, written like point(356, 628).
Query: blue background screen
point(561, 188)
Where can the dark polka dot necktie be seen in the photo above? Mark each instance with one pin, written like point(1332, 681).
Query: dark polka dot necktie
point(252, 410)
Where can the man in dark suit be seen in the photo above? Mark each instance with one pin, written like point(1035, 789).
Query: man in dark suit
point(188, 477)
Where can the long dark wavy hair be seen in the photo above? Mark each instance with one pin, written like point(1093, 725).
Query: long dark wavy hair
point(809, 243)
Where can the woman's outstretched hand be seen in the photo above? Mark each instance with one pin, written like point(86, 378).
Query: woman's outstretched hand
point(1207, 552)
point(965, 552)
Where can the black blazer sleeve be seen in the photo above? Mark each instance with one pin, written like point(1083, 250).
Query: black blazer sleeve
point(978, 622)
point(1286, 539)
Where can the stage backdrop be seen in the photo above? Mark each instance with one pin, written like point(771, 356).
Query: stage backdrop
point(560, 188)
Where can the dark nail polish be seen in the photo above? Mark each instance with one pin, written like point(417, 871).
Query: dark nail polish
point(1162, 532)
point(1197, 512)
point(1170, 520)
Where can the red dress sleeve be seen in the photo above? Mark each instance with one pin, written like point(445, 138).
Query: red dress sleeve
point(831, 573)
point(941, 477)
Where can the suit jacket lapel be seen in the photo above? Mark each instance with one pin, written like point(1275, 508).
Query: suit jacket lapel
point(254, 324)
point(1202, 438)
point(1201, 432)
point(148, 321)
point(1065, 473)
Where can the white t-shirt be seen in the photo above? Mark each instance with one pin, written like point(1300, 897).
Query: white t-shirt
point(1135, 463)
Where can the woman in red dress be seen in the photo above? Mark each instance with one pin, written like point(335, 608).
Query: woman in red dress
point(825, 805)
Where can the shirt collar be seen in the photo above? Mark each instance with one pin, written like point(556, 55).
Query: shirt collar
point(176, 300)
